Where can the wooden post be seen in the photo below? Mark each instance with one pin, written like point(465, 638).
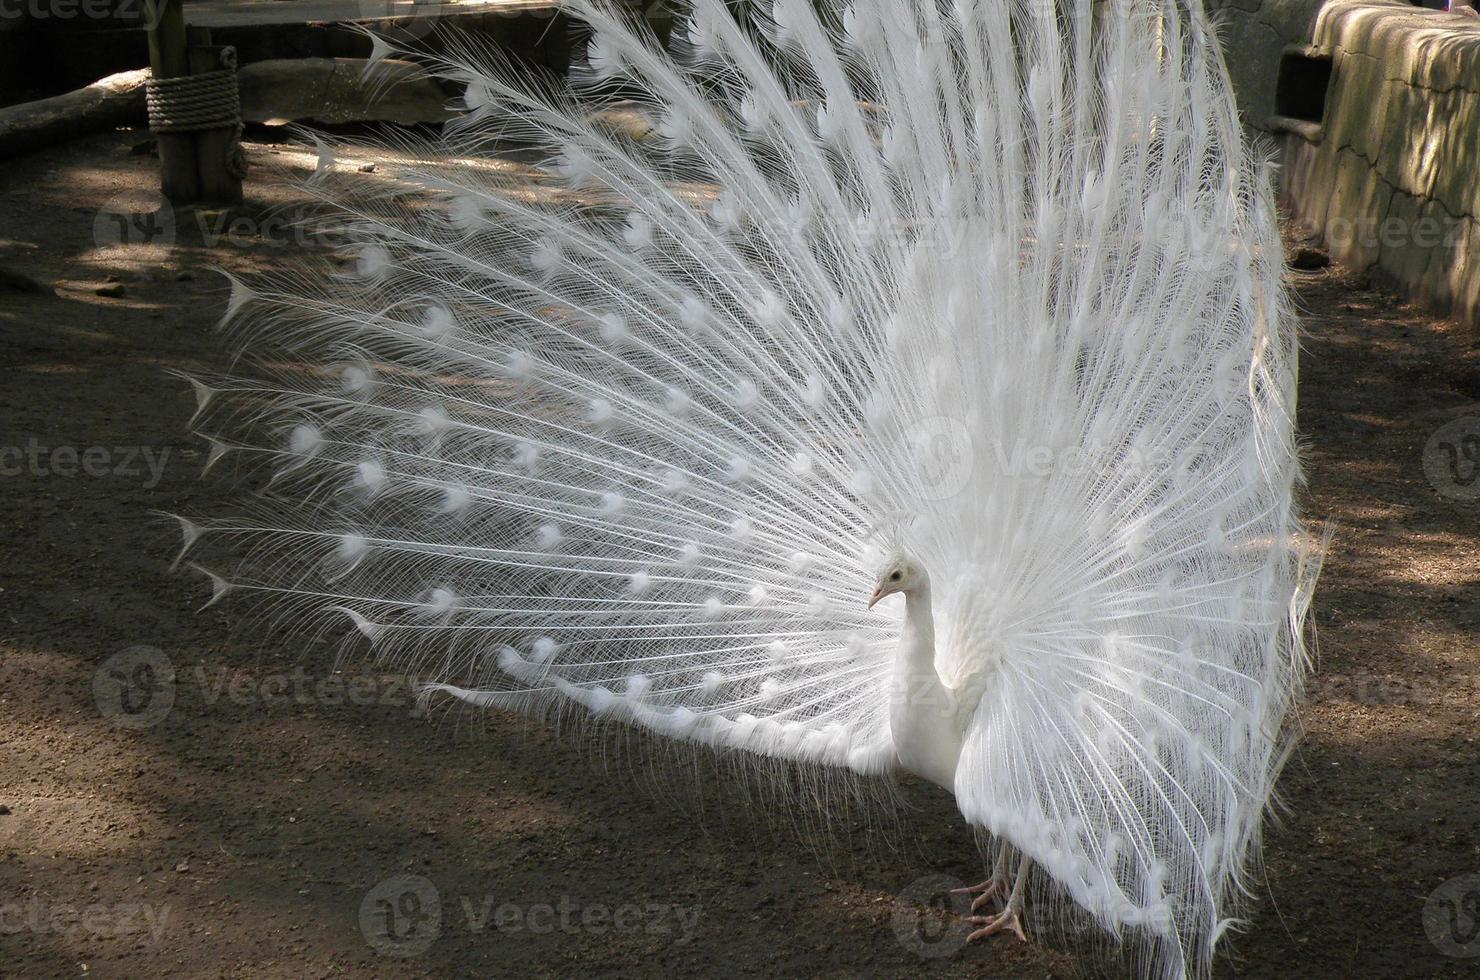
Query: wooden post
point(213, 146)
point(193, 166)
point(168, 57)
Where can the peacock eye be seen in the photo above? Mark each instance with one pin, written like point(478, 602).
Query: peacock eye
point(894, 577)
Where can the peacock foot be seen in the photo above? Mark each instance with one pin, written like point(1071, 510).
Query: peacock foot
point(991, 925)
point(985, 892)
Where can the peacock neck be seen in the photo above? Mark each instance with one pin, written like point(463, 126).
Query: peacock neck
point(917, 647)
point(922, 710)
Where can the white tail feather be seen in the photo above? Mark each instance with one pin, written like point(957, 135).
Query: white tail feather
point(616, 431)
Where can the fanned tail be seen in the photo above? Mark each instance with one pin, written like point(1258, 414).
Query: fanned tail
point(610, 429)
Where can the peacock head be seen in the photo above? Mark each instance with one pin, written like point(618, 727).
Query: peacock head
point(899, 574)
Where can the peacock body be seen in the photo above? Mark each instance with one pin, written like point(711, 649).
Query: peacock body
point(971, 301)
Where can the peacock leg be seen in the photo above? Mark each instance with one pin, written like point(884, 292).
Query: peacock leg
point(1011, 916)
point(994, 886)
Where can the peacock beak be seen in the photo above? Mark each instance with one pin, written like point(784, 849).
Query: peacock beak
point(878, 594)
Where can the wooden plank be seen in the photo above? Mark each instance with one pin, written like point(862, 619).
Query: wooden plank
point(257, 13)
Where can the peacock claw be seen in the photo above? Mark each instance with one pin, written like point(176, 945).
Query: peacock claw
point(984, 892)
point(991, 925)
point(994, 887)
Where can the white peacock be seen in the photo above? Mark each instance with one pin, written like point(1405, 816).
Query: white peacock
point(976, 302)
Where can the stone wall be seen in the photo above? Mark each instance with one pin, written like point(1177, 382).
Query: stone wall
point(1254, 33)
point(1390, 178)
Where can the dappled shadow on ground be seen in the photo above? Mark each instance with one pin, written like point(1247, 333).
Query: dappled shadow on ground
point(256, 815)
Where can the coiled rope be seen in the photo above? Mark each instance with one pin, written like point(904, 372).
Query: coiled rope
point(192, 103)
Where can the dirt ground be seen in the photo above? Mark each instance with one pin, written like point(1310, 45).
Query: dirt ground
point(178, 798)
